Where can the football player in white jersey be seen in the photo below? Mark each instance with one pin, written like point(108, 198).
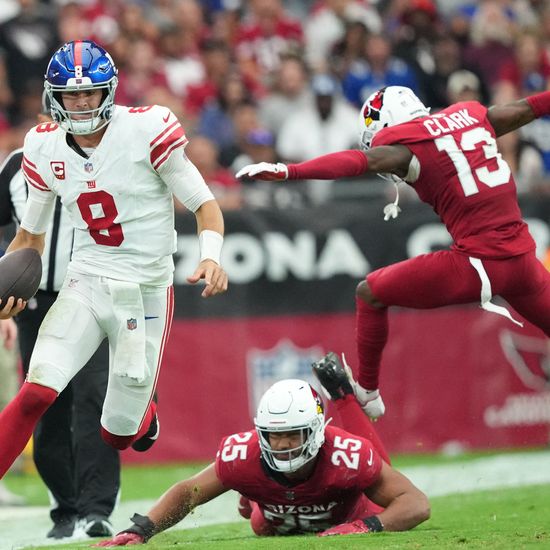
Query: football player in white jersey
point(115, 169)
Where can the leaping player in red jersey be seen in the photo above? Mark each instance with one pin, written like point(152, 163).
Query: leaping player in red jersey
point(297, 473)
point(452, 161)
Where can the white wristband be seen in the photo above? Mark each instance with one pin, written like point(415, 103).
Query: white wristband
point(210, 245)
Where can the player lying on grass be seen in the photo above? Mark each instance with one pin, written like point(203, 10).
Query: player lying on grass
point(296, 474)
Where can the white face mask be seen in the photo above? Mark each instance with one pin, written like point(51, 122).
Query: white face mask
point(98, 118)
point(288, 460)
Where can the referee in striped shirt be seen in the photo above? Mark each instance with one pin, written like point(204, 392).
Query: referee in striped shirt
point(81, 472)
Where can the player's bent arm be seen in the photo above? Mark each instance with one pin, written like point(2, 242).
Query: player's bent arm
point(209, 217)
point(25, 239)
point(405, 505)
point(389, 159)
point(36, 216)
point(184, 496)
point(171, 508)
point(22, 239)
point(187, 184)
point(509, 117)
point(185, 181)
point(210, 228)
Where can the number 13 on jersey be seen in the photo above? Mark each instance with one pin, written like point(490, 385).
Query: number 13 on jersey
point(495, 171)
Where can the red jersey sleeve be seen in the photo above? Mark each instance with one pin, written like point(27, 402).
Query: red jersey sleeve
point(234, 457)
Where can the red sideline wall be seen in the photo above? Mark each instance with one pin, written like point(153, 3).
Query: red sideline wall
point(456, 377)
point(445, 378)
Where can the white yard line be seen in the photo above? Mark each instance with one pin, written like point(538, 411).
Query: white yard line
point(23, 527)
point(507, 470)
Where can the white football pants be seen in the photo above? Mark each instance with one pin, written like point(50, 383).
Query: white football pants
point(81, 317)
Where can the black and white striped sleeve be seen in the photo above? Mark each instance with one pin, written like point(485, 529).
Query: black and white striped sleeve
point(13, 189)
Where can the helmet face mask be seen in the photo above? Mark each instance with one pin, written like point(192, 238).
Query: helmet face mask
point(291, 409)
point(80, 66)
point(387, 107)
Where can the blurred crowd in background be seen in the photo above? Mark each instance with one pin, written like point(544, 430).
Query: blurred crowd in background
point(283, 80)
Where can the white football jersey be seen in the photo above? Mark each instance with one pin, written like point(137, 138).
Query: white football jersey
point(121, 208)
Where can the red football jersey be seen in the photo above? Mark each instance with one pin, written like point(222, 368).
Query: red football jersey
point(465, 179)
point(334, 493)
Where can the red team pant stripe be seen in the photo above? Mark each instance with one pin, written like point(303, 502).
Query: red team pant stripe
point(167, 326)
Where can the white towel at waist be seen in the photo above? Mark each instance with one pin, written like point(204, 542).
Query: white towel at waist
point(129, 358)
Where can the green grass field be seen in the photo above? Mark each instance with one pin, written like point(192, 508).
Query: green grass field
point(497, 519)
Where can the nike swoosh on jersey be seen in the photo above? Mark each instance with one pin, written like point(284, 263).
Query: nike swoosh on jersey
point(152, 317)
point(371, 456)
point(165, 118)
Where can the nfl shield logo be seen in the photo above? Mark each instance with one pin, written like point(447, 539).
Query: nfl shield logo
point(88, 166)
point(285, 360)
point(131, 324)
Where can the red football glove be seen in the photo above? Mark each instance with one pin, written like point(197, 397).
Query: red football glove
point(355, 527)
point(263, 171)
point(122, 539)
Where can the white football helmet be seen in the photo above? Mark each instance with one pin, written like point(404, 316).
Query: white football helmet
point(290, 405)
point(387, 107)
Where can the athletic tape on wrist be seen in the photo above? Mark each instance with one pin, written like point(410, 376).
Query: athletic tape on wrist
point(210, 245)
point(143, 527)
point(373, 523)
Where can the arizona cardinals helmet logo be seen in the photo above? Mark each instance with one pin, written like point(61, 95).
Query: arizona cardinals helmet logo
point(372, 108)
point(318, 401)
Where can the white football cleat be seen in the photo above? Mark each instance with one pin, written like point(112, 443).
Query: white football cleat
point(370, 400)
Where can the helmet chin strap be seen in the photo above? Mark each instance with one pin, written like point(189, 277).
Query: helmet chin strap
point(82, 127)
point(294, 464)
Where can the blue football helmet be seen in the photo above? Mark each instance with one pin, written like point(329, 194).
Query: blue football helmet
point(78, 66)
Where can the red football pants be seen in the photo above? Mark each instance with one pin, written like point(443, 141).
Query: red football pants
point(447, 278)
point(441, 279)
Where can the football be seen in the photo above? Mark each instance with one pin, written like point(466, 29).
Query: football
point(20, 274)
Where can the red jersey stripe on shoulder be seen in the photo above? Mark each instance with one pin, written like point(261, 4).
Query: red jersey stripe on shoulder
point(165, 132)
point(161, 148)
point(161, 160)
point(32, 176)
